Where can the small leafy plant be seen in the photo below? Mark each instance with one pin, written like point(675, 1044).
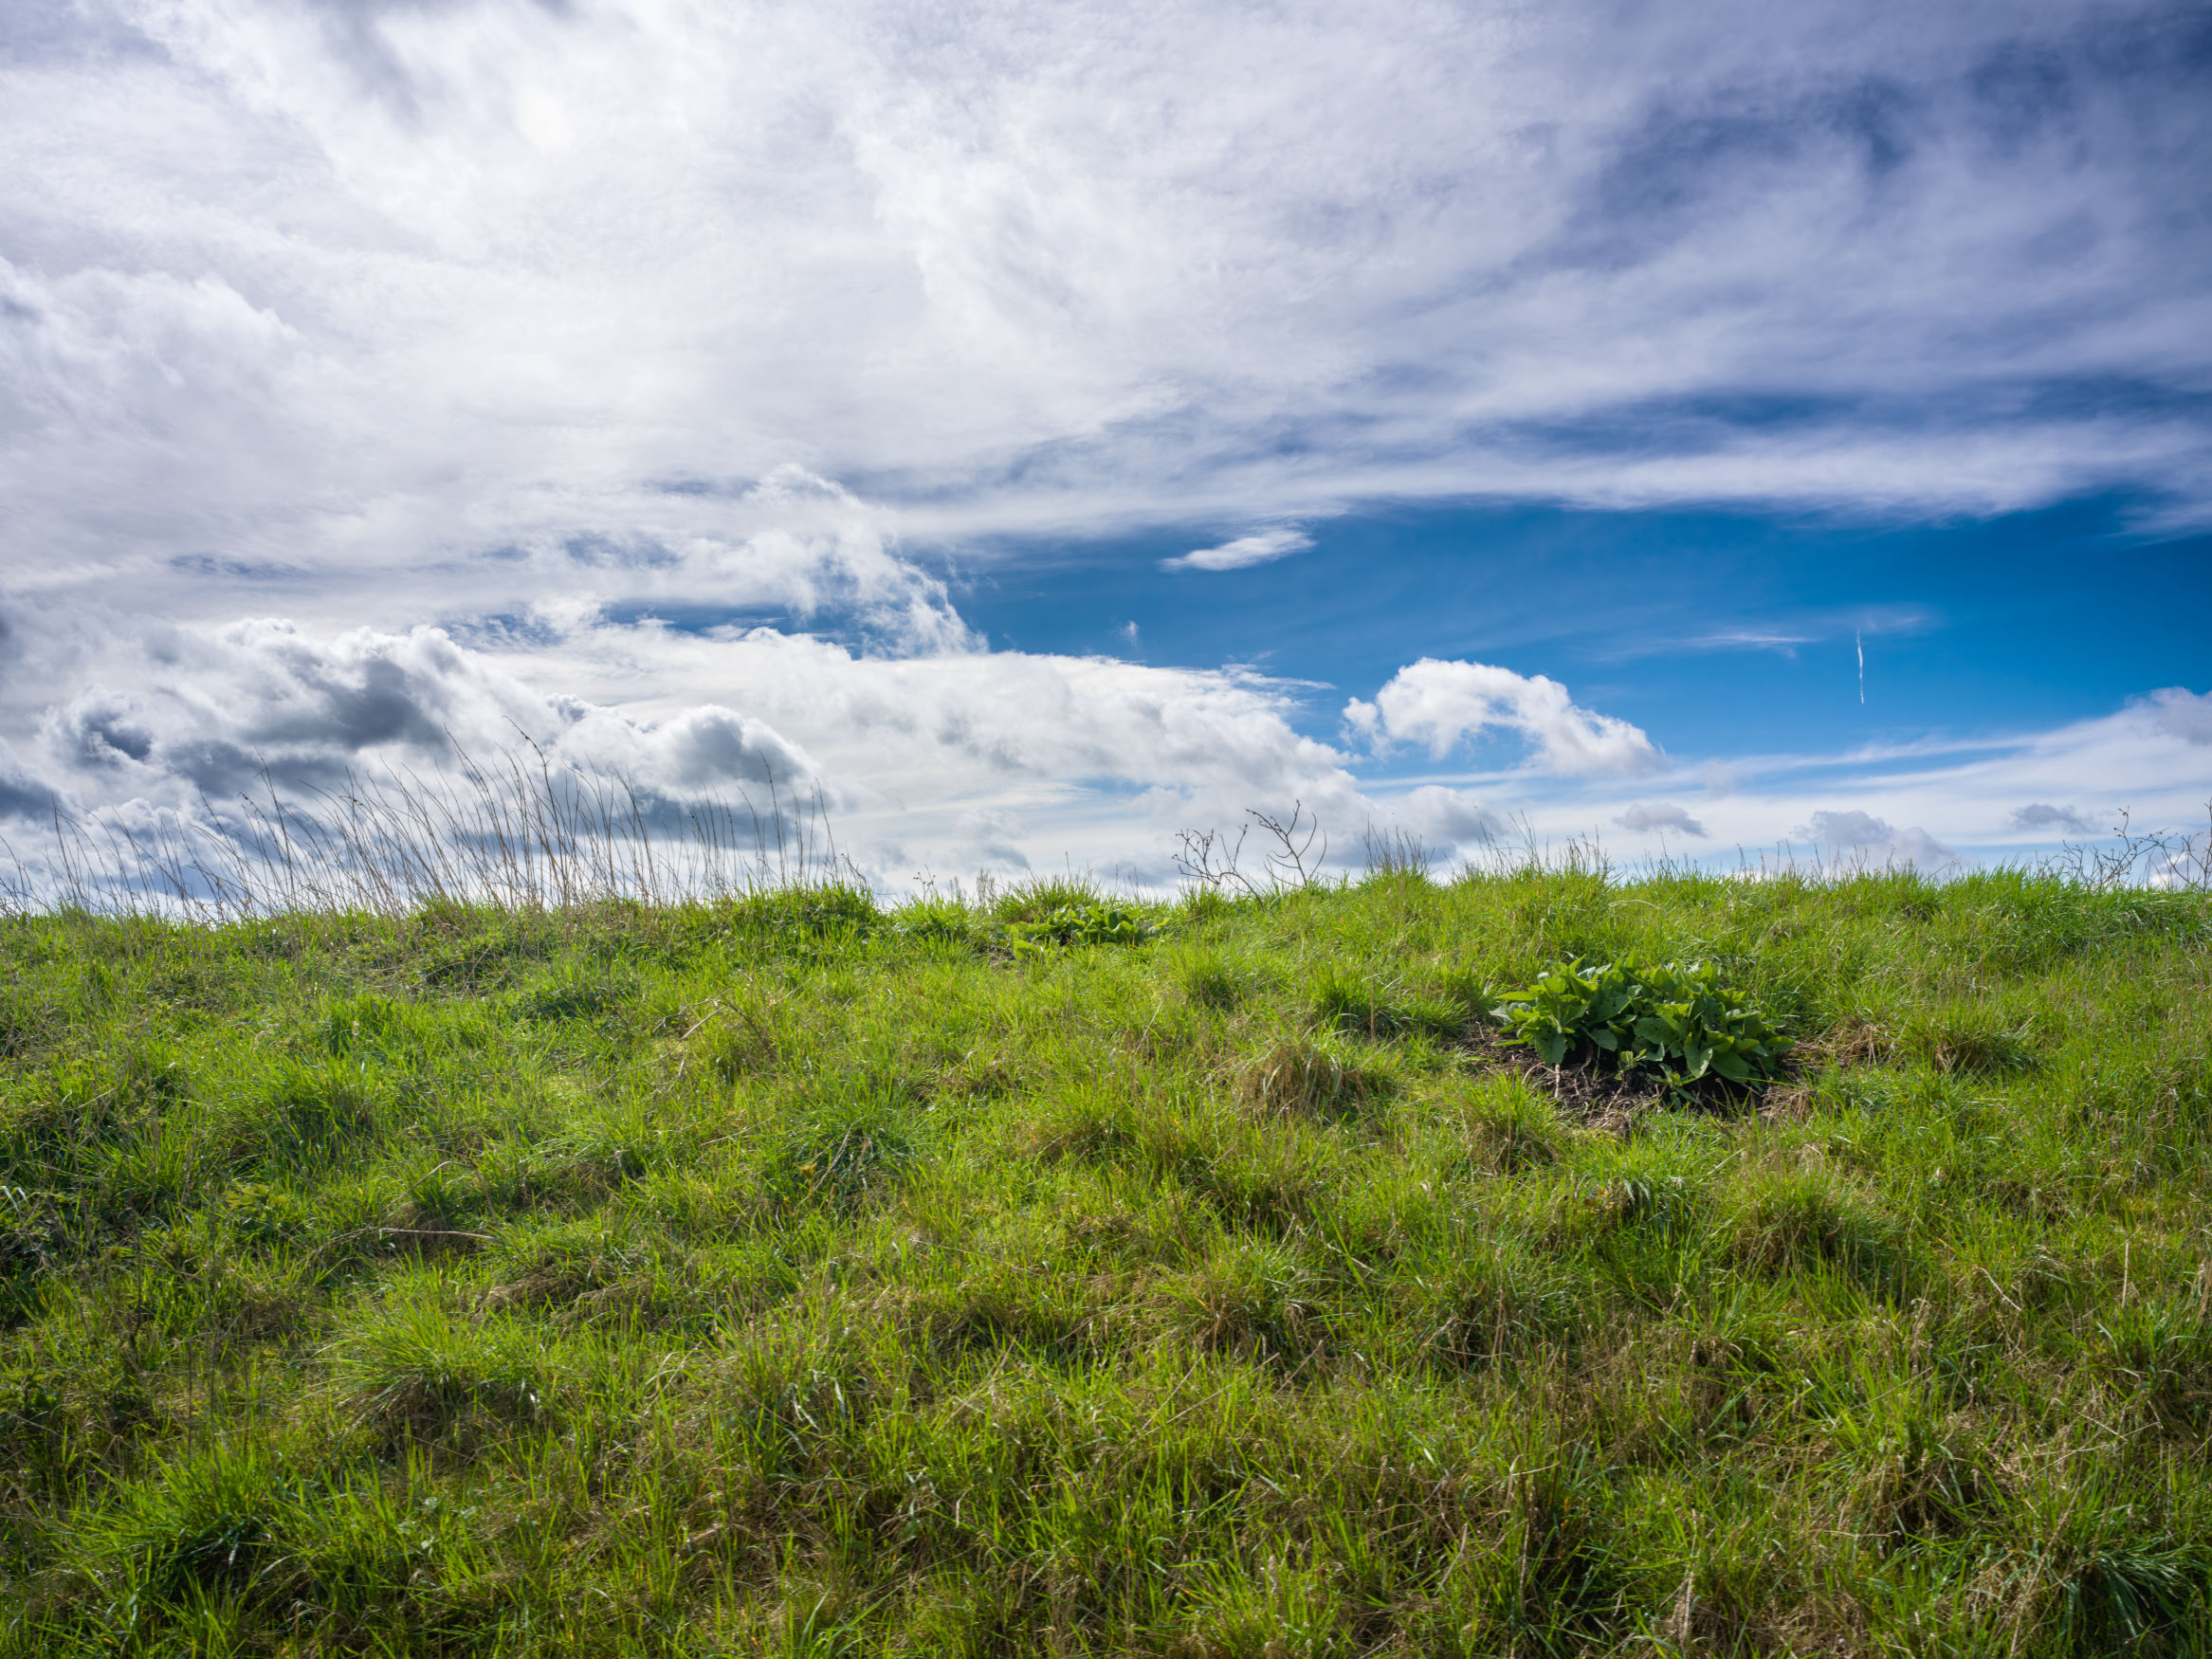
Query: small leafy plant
point(1678, 1019)
point(1102, 923)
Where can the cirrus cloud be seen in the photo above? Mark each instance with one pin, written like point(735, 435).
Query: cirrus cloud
point(396, 295)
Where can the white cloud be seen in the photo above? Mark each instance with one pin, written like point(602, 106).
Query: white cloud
point(211, 710)
point(966, 759)
point(710, 748)
point(1446, 817)
point(2185, 714)
point(1919, 848)
point(1861, 832)
point(473, 338)
point(1261, 547)
point(1441, 704)
point(371, 294)
point(1848, 829)
point(22, 793)
point(990, 837)
point(956, 756)
point(1649, 816)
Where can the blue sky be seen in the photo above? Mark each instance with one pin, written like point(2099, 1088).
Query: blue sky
point(1733, 632)
point(1043, 429)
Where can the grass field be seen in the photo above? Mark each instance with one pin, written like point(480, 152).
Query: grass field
point(788, 1276)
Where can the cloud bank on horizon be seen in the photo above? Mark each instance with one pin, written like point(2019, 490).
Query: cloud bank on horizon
point(625, 372)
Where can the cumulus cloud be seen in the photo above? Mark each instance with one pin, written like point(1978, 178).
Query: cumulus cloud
point(958, 754)
point(1261, 547)
point(711, 748)
point(1848, 829)
point(1014, 731)
point(990, 837)
point(948, 761)
point(1860, 831)
point(227, 712)
point(216, 709)
point(98, 728)
point(2041, 815)
point(1918, 848)
point(1649, 816)
point(1441, 704)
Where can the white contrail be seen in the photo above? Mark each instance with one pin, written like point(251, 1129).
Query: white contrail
point(1859, 640)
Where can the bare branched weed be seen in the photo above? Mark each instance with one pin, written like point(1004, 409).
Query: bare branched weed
point(1289, 859)
point(2157, 858)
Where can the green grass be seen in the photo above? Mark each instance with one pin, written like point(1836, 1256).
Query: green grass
point(787, 1276)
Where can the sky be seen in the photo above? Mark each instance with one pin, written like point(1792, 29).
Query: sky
point(1709, 430)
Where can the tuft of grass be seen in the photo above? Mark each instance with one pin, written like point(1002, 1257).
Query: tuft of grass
point(1292, 1075)
point(1807, 1221)
point(1974, 1039)
point(844, 1147)
point(418, 1371)
point(1510, 1127)
point(1211, 983)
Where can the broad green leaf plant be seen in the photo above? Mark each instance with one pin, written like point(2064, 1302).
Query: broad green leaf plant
point(1678, 1019)
point(1104, 922)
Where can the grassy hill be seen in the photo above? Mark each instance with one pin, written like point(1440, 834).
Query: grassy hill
point(788, 1276)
